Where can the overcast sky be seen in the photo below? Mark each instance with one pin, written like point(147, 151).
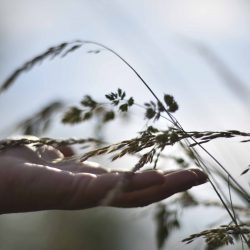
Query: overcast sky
point(159, 38)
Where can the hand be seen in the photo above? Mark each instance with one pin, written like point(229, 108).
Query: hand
point(32, 180)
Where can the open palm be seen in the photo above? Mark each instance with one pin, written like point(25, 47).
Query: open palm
point(31, 180)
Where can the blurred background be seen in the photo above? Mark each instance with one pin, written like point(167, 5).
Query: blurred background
point(198, 51)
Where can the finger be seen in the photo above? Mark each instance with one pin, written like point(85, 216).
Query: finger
point(141, 180)
point(174, 182)
point(49, 153)
point(128, 181)
point(24, 152)
point(67, 151)
point(32, 154)
point(127, 189)
point(104, 187)
point(56, 157)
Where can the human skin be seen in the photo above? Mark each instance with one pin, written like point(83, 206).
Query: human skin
point(41, 179)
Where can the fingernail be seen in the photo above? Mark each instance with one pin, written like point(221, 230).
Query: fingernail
point(200, 176)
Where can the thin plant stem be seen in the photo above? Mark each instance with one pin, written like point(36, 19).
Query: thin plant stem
point(173, 119)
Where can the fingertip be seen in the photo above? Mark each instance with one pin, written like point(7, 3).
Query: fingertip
point(67, 151)
point(174, 182)
point(183, 180)
point(200, 176)
point(49, 153)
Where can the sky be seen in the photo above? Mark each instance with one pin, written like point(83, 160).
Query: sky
point(175, 45)
point(159, 38)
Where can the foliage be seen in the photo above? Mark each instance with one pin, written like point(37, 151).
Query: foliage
point(41, 121)
point(224, 235)
point(148, 146)
point(166, 221)
point(5, 144)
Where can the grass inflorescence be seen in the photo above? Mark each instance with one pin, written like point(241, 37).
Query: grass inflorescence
point(150, 143)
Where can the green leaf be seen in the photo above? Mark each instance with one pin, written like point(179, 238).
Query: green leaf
point(150, 113)
point(174, 137)
point(119, 91)
point(87, 101)
point(124, 107)
point(123, 95)
point(245, 171)
point(87, 116)
point(72, 116)
point(160, 107)
point(166, 222)
point(171, 103)
point(116, 102)
point(108, 116)
point(174, 107)
point(152, 129)
point(162, 138)
point(130, 101)
point(169, 99)
point(109, 97)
